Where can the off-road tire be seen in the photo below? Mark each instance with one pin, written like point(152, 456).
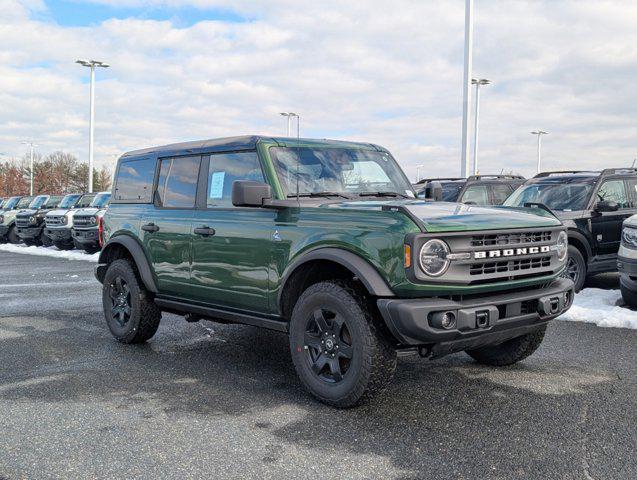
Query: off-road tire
point(63, 245)
point(373, 361)
point(509, 352)
point(30, 242)
point(576, 257)
point(145, 315)
point(12, 235)
point(46, 241)
point(629, 296)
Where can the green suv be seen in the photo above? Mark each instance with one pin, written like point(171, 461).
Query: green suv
point(325, 241)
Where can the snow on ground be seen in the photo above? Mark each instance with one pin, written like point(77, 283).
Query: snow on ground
point(49, 252)
point(601, 307)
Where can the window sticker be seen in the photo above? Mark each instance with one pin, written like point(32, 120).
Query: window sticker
point(216, 185)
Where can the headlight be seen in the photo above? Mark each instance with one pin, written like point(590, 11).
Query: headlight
point(629, 237)
point(433, 257)
point(562, 246)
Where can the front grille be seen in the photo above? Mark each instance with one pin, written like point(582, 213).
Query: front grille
point(83, 221)
point(22, 221)
point(509, 266)
point(54, 220)
point(513, 238)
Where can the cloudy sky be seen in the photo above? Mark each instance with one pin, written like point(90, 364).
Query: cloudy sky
point(388, 72)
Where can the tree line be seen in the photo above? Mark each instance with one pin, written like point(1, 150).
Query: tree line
point(55, 173)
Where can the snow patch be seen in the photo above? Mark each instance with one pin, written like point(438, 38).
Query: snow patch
point(49, 252)
point(601, 307)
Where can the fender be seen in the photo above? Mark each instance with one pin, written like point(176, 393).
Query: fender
point(364, 271)
point(137, 252)
point(582, 239)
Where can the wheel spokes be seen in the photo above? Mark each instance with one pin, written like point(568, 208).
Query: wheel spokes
point(345, 351)
point(319, 364)
point(335, 370)
point(311, 340)
point(319, 318)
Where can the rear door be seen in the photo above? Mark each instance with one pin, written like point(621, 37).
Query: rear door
point(606, 226)
point(165, 227)
point(231, 246)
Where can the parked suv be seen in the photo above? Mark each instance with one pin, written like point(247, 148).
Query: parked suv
point(60, 221)
point(86, 223)
point(627, 261)
point(475, 190)
point(325, 241)
point(593, 206)
point(30, 222)
point(8, 229)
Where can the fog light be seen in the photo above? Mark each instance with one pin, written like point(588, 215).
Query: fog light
point(445, 320)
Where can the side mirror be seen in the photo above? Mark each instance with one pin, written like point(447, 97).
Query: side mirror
point(433, 190)
point(606, 206)
point(247, 193)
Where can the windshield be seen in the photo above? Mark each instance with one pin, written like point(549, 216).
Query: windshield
point(68, 201)
point(24, 202)
point(101, 200)
point(85, 201)
point(10, 203)
point(342, 171)
point(38, 202)
point(556, 196)
point(451, 190)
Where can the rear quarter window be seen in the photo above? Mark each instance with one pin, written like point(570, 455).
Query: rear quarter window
point(134, 182)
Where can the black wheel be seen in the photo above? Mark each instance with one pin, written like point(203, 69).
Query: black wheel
point(13, 236)
point(46, 241)
point(629, 296)
point(29, 242)
point(575, 267)
point(509, 352)
point(339, 348)
point(131, 315)
point(77, 245)
point(63, 245)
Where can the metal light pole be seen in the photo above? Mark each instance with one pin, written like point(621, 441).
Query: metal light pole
point(539, 134)
point(289, 115)
point(418, 167)
point(91, 64)
point(31, 146)
point(466, 86)
point(477, 82)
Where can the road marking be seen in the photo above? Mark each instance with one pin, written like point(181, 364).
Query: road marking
point(46, 284)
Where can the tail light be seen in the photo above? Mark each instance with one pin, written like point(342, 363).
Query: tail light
point(100, 231)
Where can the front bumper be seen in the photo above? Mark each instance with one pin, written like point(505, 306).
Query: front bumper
point(480, 319)
point(86, 237)
point(627, 268)
point(30, 232)
point(59, 234)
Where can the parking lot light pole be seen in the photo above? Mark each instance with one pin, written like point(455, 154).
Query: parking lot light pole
point(539, 134)
point(418, 167)
point(289, 116)
point(92, 64)
point(31, 146)
point(477, 82)
point(466, 86)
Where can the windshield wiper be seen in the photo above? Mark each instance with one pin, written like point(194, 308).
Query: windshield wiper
point(319, 194)
point(382, 194)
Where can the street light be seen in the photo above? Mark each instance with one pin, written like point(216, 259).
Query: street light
point(466, 87)
point(539, 134)
point(91, 64)
point(31, 145)
point(418, 167)
point(477, 82)
point(290, 115)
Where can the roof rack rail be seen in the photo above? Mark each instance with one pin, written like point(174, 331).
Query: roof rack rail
point(425, 180)
point(618, 171)
point(561, 172)
point(507, 176)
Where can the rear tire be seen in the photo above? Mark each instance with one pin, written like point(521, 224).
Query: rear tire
point(339, 348)
point(46, 241)
point(509, 352)
point(575, 267)
point(13, 236)
point(131, 314)
point(629, 296)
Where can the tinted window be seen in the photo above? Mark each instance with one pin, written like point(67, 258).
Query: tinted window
point(135, 181)
point(476, 194)
point(101, 200)
point(613, 191)
point(557, 196)
point(69, 201)
point(12, 202)
point(177, 184)
point(450, 191)
point(500, 193)
point(53, 202)
point(85, 201)
point(38, 201)
point(225, 169)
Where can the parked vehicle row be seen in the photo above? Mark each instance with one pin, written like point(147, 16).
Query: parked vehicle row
point(47, 220)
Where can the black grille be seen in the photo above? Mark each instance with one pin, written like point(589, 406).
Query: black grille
point(22, 221)
point(54, 220)
point(509, 266)
point(513, 238)
point(83, 221)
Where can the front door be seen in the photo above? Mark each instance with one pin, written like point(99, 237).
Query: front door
point(607, 226)
point(231, 246)
point(166, 227)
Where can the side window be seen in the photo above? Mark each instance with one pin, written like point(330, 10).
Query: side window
point(225, 169)
point(476, 194)
point(177, 184)
point(501, 192)
point(632, 187)
point(613, 191)
point(134, 182)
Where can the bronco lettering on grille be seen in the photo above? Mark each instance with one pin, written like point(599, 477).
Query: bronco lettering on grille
point(511, 252)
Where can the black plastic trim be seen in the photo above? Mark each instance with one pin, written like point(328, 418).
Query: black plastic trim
point(137, 252)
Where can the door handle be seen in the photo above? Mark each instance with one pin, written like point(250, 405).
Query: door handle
point(204, 231)
point(150, 227)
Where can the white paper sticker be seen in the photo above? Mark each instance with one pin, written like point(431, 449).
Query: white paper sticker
point(216, 185)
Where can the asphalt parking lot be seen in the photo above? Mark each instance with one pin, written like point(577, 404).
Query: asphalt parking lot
point(216, 401)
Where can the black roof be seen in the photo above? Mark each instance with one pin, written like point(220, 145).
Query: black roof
point(245, 142)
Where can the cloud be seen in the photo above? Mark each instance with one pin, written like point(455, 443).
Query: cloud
point(376, 71)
